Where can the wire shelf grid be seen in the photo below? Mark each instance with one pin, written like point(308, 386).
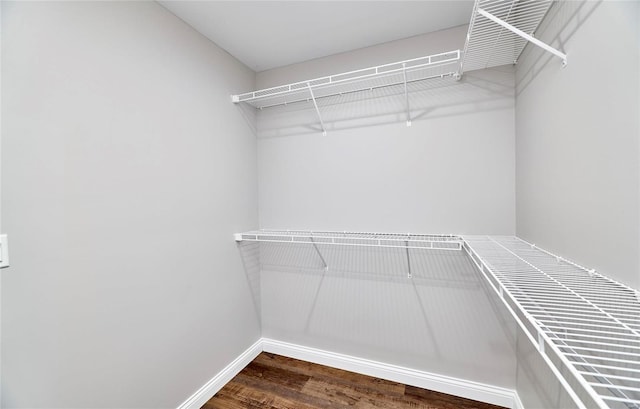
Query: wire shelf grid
point(489, 44)
point(585, 325)
point(582, 322)
point(437, 66)
point(363, 239)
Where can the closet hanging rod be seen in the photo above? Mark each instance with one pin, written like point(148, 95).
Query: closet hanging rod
point(429, 67)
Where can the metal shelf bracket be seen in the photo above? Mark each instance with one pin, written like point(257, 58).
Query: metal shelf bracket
point(324, 262)
point(409, 273)
point(315, 104)
point(406, 94)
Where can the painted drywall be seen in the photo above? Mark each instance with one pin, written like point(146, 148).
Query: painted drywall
point(577, 148)
point(125, 172)
point(452, 171)
point(441, 320)
point(0, 208)
point(578, 138)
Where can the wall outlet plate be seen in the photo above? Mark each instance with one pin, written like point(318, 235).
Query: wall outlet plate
point(4, 251)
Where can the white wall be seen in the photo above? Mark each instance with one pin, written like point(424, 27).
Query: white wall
point(121, 188)
point(578, 173)
point(125, 170)
point(578, 158)
point(0, 205)
point(442, 320)
point(452, 171)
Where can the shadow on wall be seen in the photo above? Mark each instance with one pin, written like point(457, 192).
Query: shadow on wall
point(365, 304)
point(249, 115)
point(250, 255)
point(564, 19)
point(477, 91)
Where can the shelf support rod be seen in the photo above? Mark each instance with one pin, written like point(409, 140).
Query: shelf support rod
point(406, 94)
point(324, 263)
point(524, 35)
point(315, 104)
point(409, 274)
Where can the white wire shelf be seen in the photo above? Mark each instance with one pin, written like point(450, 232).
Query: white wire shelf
point(585, 325)
point(402, 72)
point(361, 239)
point(500, 29)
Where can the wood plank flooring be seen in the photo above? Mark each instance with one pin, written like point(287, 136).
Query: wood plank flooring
point(276, 382)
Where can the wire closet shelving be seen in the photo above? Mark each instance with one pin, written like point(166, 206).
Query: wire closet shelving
point(585, 326)
point(361, 239)
point(499, 30)
point(397, 74)
point(401, 72)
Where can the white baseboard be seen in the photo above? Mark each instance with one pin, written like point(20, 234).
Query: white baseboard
point(216, 383)
point(439, 383)
point(518, 403)
point(421, 379)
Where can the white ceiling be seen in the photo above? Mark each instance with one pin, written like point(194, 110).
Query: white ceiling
point(269, 34)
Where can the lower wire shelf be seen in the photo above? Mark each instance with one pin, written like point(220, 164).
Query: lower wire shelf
point(361, 239)
point(585, 326)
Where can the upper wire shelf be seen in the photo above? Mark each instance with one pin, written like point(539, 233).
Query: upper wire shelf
point(500, 29)
point(389, 240)
point(401, 72)
point(585, 325)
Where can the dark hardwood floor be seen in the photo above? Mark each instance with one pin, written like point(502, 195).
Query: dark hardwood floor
point(276, 382)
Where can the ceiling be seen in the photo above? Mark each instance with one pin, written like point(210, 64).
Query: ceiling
point(269, 34)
